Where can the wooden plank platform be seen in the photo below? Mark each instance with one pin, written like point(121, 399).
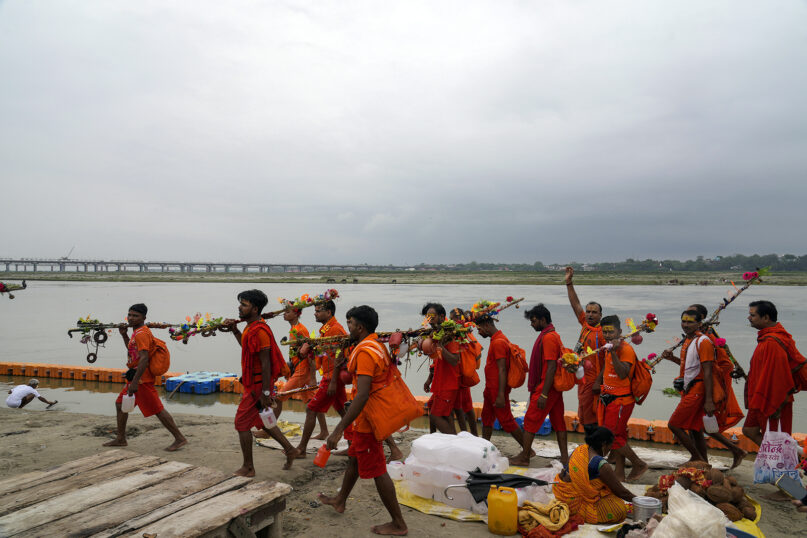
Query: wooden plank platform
point(122, 493)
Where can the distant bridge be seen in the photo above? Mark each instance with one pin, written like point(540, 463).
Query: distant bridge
point(58, 265)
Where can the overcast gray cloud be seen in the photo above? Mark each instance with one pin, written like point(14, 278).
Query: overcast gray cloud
point(402, 132)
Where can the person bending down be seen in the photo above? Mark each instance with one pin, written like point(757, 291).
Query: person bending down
point(22, 395)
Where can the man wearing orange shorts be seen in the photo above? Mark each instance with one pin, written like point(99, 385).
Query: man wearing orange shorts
point(590, 338)
point(470, 351)
point(369, 365)
point(616, 399)
point(445, 383)
point(496, 396)
point(140, 381)
point(544, 399)
point(331, 392)
point(261, 363)
point(697, 363)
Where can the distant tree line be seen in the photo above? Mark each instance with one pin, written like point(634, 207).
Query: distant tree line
point(737, 262)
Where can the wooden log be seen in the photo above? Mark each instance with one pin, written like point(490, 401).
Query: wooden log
point(211, 514)
point(40, 492)
point(231, 483)
point(18, 482)
point(139, 503)
point(75, 501)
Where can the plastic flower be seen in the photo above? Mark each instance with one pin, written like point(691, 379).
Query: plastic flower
point(651, 356)
point(509, 299)
point(720, 342)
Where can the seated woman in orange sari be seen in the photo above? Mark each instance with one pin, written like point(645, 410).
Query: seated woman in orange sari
point(589, 486)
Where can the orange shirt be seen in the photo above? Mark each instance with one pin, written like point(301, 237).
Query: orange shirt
point(301, 366)
point(706, 353)
point(326, 361)
point(591, 337)
point(611, 382)
point(446, 376)
point(376, 365)
point(141, 340)
point(551, 350)
point(499, 349)
point(250, 351)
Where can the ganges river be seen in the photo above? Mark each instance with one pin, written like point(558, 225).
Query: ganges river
point(33, 328)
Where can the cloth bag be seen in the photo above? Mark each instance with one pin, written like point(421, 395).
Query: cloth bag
point(778, 455)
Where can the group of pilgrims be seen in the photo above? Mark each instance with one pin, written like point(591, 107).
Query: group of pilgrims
point(592, 480)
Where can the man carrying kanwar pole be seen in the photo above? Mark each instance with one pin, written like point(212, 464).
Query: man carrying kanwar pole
point(496, 395)
point(776, 372)
point(700, 395)
point(470, 350)
point(544, 398)
point(261, 362)
point(370, 365)
point(590, 338)
point(616, 401)
point(141, 347)
point(728, 412)
point(331, 391)
point(445, 384)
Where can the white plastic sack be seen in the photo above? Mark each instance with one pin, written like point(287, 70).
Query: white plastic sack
point(778, 455)
point(690, 516)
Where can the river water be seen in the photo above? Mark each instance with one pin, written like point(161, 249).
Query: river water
point(33, 328)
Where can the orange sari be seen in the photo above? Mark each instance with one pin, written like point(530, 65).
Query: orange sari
point(591, 499)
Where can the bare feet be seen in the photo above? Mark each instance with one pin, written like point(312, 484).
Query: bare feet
point(245, 471)
point(332, 501)
point(520, 461)
point(300, 453)
point(291, 455)
point(116, 442)
point(390, 529)
point(738, 458)
point(260, 434)
point(322, 435)
point(637, 472)
point(176, 445)
point(340, 453)
point(395, 455)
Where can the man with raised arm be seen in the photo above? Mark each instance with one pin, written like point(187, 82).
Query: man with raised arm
point(590, 338)
point(261, 363)
point(369, 365)
point(616, 401)
point(544, 399)
point(140, 381)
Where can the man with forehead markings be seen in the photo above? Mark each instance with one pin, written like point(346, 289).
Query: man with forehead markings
point(590, 337)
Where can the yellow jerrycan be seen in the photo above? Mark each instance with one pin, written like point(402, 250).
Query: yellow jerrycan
point(502, 511)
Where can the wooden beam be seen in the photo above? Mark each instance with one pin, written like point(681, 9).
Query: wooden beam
point(84, 498)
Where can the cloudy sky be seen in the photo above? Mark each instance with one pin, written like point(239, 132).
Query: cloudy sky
point(402, 132)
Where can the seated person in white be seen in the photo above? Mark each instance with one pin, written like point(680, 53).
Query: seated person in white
point(21, 395)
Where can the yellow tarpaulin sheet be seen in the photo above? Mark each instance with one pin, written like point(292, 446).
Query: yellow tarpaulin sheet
point(432, 507)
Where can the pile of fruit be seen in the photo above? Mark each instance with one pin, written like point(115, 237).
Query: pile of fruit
point(712, 485)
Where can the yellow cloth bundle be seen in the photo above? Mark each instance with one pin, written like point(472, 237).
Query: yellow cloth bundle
point(552, 516)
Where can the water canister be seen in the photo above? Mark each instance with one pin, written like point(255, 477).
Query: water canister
point(395, 469)
point(502, 511)
point(322, 456)
point(268, 418)
point(645, 507)
point(710, 424)
point(127, 403)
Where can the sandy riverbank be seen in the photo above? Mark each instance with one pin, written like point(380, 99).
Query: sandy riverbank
point(36, 439)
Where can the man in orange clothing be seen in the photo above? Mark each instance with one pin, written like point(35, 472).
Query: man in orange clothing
point(469, 351)
point(140, 381)
point(369, 364)
point(496, 396)
point(590, 338)
point(773, 376)
point(331, 392)
point(616, 399)
point(445, 383)
point(261, 362)
point(728, 411)
point(544, 399)
point(696, 377)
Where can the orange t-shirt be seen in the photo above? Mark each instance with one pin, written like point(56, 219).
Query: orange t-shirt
point(301, 366)
point(141, 340)
point(365, 362)
point(446, 375)
point(706, 353)
point(499, 349)
point(591, 337)
point(326, 361)
point(611, 382)
point(551, 350)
